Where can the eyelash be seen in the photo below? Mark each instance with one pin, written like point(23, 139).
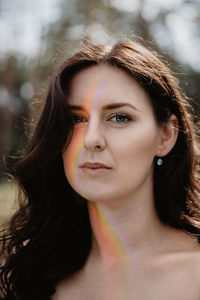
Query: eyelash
point(114, 116)
point(123, 115)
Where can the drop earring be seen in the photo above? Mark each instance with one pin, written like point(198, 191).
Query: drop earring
point(159, 161)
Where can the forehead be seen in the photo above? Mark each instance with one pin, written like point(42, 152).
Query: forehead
point(104, 84)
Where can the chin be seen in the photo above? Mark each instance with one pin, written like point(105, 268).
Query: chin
point(96, 196)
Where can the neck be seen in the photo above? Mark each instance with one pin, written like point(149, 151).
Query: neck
point(130, 231)
point(121, 233)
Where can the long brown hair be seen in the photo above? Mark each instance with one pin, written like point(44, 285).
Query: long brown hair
point(49, 237)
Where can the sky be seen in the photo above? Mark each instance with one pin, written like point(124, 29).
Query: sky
point(23, 21)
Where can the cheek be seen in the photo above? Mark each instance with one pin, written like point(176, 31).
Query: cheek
point(72, 156)
point(138, 147)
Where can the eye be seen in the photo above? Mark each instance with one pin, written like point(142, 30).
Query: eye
point(78, 119)
point(120, 118)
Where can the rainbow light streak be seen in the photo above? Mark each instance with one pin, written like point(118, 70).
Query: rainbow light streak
point(108, 233)
point(116, 238)
point(101, 231)
point(91, 102)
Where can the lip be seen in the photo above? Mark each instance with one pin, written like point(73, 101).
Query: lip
point(95, 168)
point(95, 165)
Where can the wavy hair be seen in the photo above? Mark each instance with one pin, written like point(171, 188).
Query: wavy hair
point(49, 237)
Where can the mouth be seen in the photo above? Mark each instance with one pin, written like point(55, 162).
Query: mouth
point(94, 168)
point(96, 171)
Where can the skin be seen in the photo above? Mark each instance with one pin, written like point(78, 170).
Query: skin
point(120, 145)
point(130, 245)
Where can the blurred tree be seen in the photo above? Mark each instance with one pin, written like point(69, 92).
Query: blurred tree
point(13, 109)
point(6, 93)
point(109, 20)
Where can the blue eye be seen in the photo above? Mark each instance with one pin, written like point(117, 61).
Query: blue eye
point(78, 119)
point(117, 118)
point(121, 118)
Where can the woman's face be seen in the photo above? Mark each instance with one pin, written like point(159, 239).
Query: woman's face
point(114, 125)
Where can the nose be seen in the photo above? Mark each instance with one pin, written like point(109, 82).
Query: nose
point(94, 139)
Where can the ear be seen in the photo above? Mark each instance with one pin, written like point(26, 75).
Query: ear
point(168, 136)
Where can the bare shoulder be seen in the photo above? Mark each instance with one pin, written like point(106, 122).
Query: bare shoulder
point(175, 275)
point(183, 268)
point(192, 259)
point(196, 261)
point(185, 260)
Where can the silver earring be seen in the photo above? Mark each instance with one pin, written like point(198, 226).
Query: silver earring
point(159, 161)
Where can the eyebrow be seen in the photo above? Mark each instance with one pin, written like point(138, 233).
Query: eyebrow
point(105, 107)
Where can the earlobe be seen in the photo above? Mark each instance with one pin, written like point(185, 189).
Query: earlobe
point(169, 134)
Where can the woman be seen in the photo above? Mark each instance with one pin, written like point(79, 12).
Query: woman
point(111, 185)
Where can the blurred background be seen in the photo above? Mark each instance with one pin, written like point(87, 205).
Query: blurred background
point(36, 35)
